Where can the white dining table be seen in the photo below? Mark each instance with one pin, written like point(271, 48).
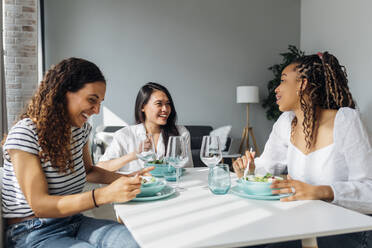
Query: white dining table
point(196, 217)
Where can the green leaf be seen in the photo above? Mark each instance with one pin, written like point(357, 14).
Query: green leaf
point(273, 112)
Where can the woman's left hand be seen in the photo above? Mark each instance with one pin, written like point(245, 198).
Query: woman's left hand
point(301, 190)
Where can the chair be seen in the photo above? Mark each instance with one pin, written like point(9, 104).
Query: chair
point(102, 138)
point(196, 138)
point(196, 134)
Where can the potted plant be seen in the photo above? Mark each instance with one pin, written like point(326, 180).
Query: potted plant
point(273, 112)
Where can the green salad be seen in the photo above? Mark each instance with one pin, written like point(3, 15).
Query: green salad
point(267, 178)
point(148, 179)
point(157, 162)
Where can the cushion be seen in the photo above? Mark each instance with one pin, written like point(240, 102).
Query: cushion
point(223, 134)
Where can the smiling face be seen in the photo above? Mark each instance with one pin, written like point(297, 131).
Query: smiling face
point(157, 109)
point(287, 93)
point(85, 102)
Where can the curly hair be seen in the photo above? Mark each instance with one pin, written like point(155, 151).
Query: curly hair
point(48, 108)
point(327, 88)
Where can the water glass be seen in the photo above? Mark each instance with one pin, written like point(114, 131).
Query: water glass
point(146, 148)
point(170, 173)
point(219, 179)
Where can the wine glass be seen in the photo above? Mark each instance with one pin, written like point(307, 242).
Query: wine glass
point(177, 156)
point(146, 148)
point(210, 152)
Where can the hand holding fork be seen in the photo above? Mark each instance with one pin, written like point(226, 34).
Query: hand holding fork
point(242, 164)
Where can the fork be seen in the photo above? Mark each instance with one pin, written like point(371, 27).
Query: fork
point(249, 161)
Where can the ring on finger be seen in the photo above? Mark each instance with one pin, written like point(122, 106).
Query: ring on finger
point(293, 190)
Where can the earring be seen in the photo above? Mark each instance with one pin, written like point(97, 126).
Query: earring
point(297, 92)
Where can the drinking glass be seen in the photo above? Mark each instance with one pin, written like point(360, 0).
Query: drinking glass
point(177, 156)
point(170, 173)
point(146, 148)
point(210, 153)
point(219, 179)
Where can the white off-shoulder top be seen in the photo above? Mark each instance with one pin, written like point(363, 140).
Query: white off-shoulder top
point(345, 165)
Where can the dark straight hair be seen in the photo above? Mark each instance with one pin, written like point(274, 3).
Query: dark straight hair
point(143, 97)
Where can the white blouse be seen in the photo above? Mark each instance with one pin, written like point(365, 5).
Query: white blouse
point(125, 140)
point(345, 165)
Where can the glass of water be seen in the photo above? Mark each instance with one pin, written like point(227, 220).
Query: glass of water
point(146, 148)
point(219, 179)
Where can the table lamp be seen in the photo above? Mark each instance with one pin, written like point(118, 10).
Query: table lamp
point(247, 94)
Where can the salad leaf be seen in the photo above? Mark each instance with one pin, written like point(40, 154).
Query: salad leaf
point(148, 179)
point(268, 175)
point(157, 162)
point(267, 178)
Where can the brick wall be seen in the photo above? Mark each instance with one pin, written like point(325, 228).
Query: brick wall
point(20, 49)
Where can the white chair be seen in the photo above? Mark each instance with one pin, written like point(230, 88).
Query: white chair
point(102, 138)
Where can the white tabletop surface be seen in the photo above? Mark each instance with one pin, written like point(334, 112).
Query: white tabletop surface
point(198, 218)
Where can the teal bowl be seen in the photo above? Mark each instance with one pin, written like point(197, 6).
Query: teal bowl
point(150, 184)
point(255, 188)
point(160, 169)
point(151, 189)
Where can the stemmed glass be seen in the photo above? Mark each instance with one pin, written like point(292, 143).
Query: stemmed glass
point(177, 156)
point(146, 148)
point(210, 153)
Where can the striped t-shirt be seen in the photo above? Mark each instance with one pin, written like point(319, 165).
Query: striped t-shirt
point(23, 136)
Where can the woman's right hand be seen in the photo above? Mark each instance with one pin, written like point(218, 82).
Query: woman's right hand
point(122, 189)
point(241, 163)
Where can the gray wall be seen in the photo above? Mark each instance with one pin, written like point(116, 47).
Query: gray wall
point(200, 49)
point(343, 28)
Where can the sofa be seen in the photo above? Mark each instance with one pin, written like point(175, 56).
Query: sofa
point(196, 138)
point(104, 136)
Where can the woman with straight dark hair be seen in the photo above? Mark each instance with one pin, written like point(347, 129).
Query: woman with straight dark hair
point(47, 162)
point(155, 114)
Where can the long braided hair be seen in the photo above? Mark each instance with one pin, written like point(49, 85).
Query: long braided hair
point(48, 108)
point(326, 88)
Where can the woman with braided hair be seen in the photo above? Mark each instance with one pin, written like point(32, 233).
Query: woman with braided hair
point(321, 141)
point(47, 162)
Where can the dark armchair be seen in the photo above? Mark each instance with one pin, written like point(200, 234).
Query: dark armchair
point(196, 134)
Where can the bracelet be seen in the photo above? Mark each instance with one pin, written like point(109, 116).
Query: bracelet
point(94, 199)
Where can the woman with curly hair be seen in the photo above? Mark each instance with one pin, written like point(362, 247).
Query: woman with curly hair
point(47, 162)
point(321, 141)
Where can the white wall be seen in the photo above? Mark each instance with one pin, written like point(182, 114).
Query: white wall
point(200, 50)
point(344, 28)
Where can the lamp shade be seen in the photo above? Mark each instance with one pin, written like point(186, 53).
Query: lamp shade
point(247, 94)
